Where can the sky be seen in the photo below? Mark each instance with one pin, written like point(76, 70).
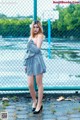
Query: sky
point(25, 8)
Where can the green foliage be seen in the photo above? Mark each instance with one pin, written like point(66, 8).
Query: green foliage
point(69, 21)
point(67, 25)
point(15, 27)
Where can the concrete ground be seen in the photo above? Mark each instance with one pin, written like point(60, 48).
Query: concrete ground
point(55, 107)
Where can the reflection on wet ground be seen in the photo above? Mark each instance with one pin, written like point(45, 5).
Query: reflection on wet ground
point(70, 55)
point(66, 50)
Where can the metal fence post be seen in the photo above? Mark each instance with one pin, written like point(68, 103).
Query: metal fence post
point(35, 9)
point(49, 38)
point(35, 18)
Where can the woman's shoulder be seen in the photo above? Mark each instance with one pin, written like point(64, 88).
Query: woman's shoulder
point(41, 36)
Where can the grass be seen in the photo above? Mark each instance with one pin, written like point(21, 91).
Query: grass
point(77, 109)
point(69, 112)
point(14, 98)
point(5, 104)
point(52, 108)
point(53, 111)
point(69, 55)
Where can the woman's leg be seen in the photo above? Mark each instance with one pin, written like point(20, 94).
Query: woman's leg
point(31, 88)
point(40, 90)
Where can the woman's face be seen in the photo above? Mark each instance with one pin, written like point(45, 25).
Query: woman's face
point(36, 28)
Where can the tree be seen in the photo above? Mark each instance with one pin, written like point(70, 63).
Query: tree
point(69, 20)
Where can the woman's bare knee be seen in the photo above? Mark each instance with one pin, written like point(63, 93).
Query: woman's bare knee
point(39, 80)
point(30, 81)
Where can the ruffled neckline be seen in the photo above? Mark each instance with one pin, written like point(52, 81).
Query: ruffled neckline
point(33, 42)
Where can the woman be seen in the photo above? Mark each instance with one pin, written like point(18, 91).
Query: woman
point(35, 65)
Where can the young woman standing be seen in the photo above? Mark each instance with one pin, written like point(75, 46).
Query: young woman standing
point(34, 64)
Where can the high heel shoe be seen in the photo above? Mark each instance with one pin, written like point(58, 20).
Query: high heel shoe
point(37, 112)
point(33, 108)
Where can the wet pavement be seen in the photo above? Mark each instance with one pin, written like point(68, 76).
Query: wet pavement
point(18, 107)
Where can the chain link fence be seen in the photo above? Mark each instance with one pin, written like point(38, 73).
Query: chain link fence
point(61, 48)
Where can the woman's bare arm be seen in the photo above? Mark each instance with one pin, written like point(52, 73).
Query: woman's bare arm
point(40, 40)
